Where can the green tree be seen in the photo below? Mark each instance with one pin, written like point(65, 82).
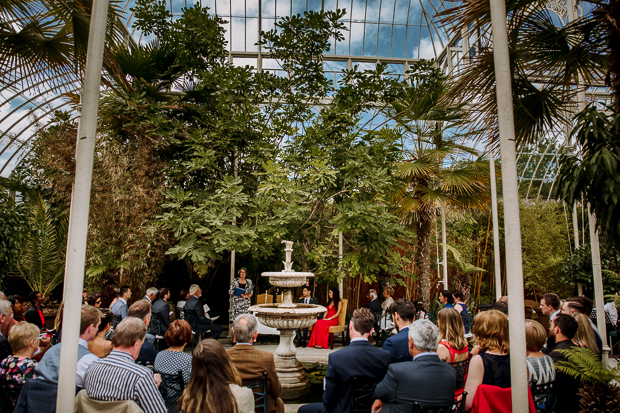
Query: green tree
point(13, 226)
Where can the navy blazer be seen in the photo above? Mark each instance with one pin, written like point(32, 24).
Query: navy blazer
point(398, 346)
point(195, 316)
point(160, 318)
point(345, 364)
point(426, 379)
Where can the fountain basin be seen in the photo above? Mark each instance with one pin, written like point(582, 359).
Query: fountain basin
point(287, 279)
point(287, 318)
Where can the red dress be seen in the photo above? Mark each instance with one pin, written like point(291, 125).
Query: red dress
point(453, 353)
point(320, 331)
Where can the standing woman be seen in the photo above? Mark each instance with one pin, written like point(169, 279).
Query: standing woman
point(460, 307)
point(215, 384)
point(320, 331)
point(241, 304)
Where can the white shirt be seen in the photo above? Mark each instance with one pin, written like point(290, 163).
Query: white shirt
point(83, 365)
point(359, 339)
point(426, 353)
point(554, 315)
point(306, 300)
point(610, 308)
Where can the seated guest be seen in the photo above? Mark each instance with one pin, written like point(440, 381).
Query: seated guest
point(403, 312)
point(142, 309)
point(34, 314)
point(17, 368)
point(320, 331)
point(453, 346)
point(196, 317)
point(183, 297)
point(94, 299)
point(160, 313)
point(6, 318)
point(566, 388)
point(445, 298)
point(99, 346)
point(18, 302)
point(374, 305)
point(460, 307)
point(539, 366)
point(582, 305)
point(305, 299)
point(492, 364)
point(118, 377)
point(47, 369)
point(173, 358)
point(359, 359)
point(215, 385)
point(251, 363)
point(586, 336)
point(150, 295)
point(425, 379)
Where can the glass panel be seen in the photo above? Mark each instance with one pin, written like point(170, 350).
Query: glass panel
point(346, 5)
point(370, 42)
point(238, 8)
point(385, 40)
point(415, 12)
point(361, 66)
point(205, 3)
point(226, 27)
point(237, 34)
point(334, 66)
point(244, 61)
point(330, 5)
point(387, 11)
point(251, 8)
point(314, 5)
point(426, 44)
point(268, 24)
point(398, 41)
point(372, 11)
point(223, 7)
point(177, 5)
point(396, 68)
point(357, 39)
point(269, 8)
point(342, 47)
point(413, 42)
point(283, 8)
point(299, 6)
point(358, 11)
point(402, 8)
point(251, 34)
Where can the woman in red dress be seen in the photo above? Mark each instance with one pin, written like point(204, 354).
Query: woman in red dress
point(320, 331)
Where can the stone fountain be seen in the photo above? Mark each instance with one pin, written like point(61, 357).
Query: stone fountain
point(287, 317)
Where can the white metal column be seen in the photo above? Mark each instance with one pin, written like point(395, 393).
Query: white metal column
point(514, 276)
point(496, 256)
point(341, 282)
point(599, 302)
point(443, 247)
point(80, 205)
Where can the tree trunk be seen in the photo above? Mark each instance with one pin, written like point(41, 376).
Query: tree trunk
point(423, 228)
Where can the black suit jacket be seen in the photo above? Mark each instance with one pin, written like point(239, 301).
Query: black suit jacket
point(345, 364)
point(5, 349)
point(426, 379)
point(312, 301)
point(160, 318)
point(33, 317)
point(398, 346)
point(374, 305)
point(566, 387)
point(195, 316)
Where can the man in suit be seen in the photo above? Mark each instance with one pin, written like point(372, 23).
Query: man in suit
point(160, 313)
point(34, 314)
point(563, 329)
point(120, 308)
point(398, 345)
point(6, 318)
point(306, 299)
point(142, 309)
point(151, 294)
point(374, 305)
point(425, 379)
point(359, 359)
point(195, 315)
point(251, 362)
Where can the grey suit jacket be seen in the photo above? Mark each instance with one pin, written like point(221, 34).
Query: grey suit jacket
point(425, 379)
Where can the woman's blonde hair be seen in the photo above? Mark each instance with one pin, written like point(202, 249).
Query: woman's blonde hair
point(491, 331)
point(585, 333)
point(389, 291)
point(451, 328)
point(21, 334)
point(535, 335)
point(208, 390)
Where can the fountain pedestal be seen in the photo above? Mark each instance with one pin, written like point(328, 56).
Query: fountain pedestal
point(287, 317)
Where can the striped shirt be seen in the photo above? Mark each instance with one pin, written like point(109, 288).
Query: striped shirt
point(118, 377)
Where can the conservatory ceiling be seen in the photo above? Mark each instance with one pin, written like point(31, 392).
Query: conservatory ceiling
point(396, 32)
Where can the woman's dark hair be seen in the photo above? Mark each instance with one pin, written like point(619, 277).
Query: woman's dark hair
point(458, 294)
point(16, 298)
point(336, 298)
point(182, 295)
point(178, 333)
point(242, 269)
point(106, 319)
point(92, 298)
point(208, 390)
point(448, 295)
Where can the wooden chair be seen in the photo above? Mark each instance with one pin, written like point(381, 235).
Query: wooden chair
point(339, 328)
point(259, 388)
point(279, 298)
point(264, 299)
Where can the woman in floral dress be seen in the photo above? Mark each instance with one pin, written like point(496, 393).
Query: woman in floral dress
point(17, 368)
point(241, 304)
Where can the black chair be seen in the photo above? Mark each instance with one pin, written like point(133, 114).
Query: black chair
point(9, 393)
point(462, 368)
point(362, 394)
point(259, 387)
point(417, 408)
point(171, 389)
point(543, 399)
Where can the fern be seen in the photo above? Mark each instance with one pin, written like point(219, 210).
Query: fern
point(585, 365)
point(466, 267)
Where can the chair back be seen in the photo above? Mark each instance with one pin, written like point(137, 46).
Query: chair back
point(462, 368)
point(362, 394)
point(264, 298)
point(259, 388)
point(171, 389)
point(377, 314)
point(279, 298)
point(417, 408)
point(343, 314)
point(543, 399)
